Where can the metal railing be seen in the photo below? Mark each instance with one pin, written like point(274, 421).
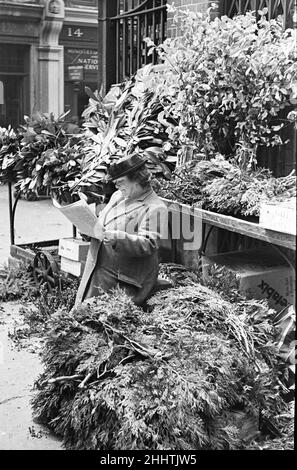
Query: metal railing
point(136, 20)
point(285, 8)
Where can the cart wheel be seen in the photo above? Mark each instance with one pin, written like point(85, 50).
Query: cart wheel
point(45, 270)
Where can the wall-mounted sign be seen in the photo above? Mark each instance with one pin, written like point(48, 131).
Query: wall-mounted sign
point(76, 73)
point(78, 34)
point(88, 58)
point(8, 28)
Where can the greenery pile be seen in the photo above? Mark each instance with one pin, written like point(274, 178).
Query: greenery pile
point(16, 282)
point(178, 274)
point(38, 304)
point(193, 371)
point(38, 312)
point(286, 427)
point(228, 84)
point(227, 284)
point(222, 186)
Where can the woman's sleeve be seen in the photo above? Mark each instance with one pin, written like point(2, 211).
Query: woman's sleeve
point(153, 227)
point(102, 209)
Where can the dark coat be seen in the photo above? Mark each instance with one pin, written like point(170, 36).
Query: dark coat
point(133, 262)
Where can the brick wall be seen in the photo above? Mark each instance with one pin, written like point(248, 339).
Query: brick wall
point(195, 6)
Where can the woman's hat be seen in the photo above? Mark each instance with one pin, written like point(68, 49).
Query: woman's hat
point(125, 165)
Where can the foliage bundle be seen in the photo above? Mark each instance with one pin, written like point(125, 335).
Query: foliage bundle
point(194, 371)
point(37, 314)
point(9, 145)
point(227, 82)
point(40, 155)
point(127, 119)
point(221, 186)
point(17, 283)
point(38, 304)
point(178, 274)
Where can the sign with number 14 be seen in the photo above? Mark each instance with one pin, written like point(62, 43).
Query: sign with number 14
point(75, 32)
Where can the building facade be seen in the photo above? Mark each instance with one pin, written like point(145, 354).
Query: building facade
point(48, 53)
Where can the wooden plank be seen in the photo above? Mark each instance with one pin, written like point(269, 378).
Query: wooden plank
point(249, 229)
point(21, 253)
point(233, 224)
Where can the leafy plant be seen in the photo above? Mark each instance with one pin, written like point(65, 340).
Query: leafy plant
point(226, 82)
point(285, 322)
point(286, 425)
point(53, 157)
point(9, 146)
point(127, 119)
point(40, 155)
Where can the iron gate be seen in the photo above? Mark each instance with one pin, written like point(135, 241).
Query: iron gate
point(136, 20)
point(284, 8)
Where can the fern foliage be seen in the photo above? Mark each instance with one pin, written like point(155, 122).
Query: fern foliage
point(192, 371)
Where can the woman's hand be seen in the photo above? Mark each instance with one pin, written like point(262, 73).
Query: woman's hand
point(84, 237)
point(109, 237)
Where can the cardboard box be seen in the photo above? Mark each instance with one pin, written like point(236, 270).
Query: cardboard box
point(262, 274)
point(76, 268)
point(280, 216)
point(73, 248)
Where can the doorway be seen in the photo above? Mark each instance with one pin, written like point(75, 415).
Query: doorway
point(12, 104)
point(14, 84)
point(76, 100)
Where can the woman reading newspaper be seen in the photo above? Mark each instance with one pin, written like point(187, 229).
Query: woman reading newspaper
point(124, 251)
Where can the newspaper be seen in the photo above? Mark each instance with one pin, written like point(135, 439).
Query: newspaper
point(83, 217)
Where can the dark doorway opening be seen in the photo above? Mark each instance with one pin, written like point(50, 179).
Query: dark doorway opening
point(12, 108)
point(76, 99)
point(14, 84)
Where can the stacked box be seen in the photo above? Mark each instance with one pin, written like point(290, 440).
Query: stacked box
point(76, 268)
point(280, 216)
point(262, 274)
point(73, 252)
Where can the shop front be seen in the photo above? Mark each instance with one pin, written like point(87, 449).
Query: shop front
point(40, 43)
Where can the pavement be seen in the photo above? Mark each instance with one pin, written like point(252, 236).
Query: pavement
point(19, 368)
point(34, 221)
